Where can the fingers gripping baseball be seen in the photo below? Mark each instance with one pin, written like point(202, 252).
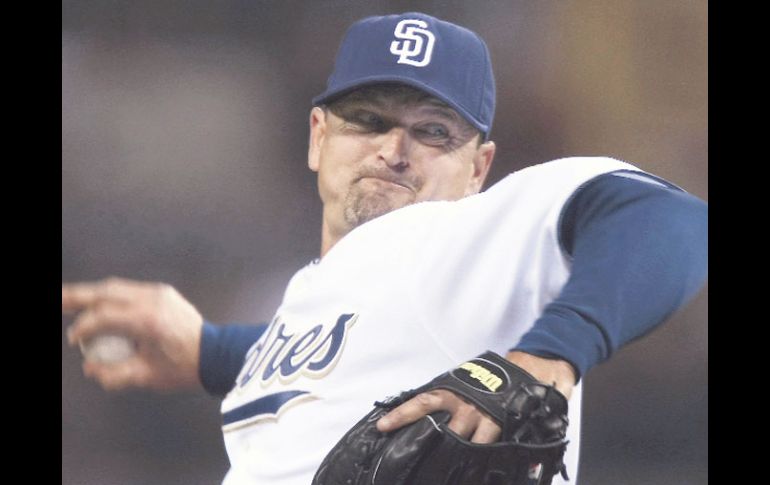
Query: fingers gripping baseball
point(165, 327)
point(133, 372)
point(467, 421)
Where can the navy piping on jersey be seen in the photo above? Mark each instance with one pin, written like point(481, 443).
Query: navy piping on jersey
point(267, 406)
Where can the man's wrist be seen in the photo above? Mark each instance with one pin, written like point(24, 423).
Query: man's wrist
point(552, 371)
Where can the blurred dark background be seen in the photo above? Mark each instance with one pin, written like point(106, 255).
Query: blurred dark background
point(184, 142)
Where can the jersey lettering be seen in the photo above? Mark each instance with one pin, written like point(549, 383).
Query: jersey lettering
point(287, 356)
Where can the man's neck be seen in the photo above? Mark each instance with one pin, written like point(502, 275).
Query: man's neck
point(328, 238)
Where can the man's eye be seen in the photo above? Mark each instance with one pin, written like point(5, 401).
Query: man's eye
point(433, 131)
point(368, 120)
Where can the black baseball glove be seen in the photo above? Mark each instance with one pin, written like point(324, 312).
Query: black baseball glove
point(532, 415)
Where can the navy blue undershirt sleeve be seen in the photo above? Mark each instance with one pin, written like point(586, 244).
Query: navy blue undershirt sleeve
point(639, 251)
point(223, 349)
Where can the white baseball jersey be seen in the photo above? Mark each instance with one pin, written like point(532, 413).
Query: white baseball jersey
point(396, 302)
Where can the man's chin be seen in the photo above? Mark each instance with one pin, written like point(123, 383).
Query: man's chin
point(364, 209)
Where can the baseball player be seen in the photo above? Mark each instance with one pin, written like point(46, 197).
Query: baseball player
point(553, 268)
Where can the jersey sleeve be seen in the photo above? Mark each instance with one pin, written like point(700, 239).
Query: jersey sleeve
point(223, 348)
point(639, 251)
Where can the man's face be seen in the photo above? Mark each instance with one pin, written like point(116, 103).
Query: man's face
point(377, 150)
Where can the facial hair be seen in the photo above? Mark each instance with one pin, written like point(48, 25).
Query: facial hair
point(363, 204)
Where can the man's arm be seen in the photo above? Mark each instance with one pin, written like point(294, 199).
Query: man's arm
point(223, 349)
point(639, 249)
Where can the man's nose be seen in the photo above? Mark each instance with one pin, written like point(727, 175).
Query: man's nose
point(394, 148)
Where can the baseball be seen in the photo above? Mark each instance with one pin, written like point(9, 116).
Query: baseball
point(108, 349)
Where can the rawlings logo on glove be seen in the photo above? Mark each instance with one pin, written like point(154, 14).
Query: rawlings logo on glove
point(533, 417)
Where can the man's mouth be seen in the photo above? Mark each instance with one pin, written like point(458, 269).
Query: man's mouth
point(389, 181)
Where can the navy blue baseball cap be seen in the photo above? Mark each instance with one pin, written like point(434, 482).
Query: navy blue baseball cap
point(442, 59)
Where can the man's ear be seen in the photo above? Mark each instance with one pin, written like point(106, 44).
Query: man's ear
point(482, 160)
point(317, 134)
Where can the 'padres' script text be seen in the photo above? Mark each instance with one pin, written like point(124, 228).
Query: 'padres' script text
point(287, 356)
